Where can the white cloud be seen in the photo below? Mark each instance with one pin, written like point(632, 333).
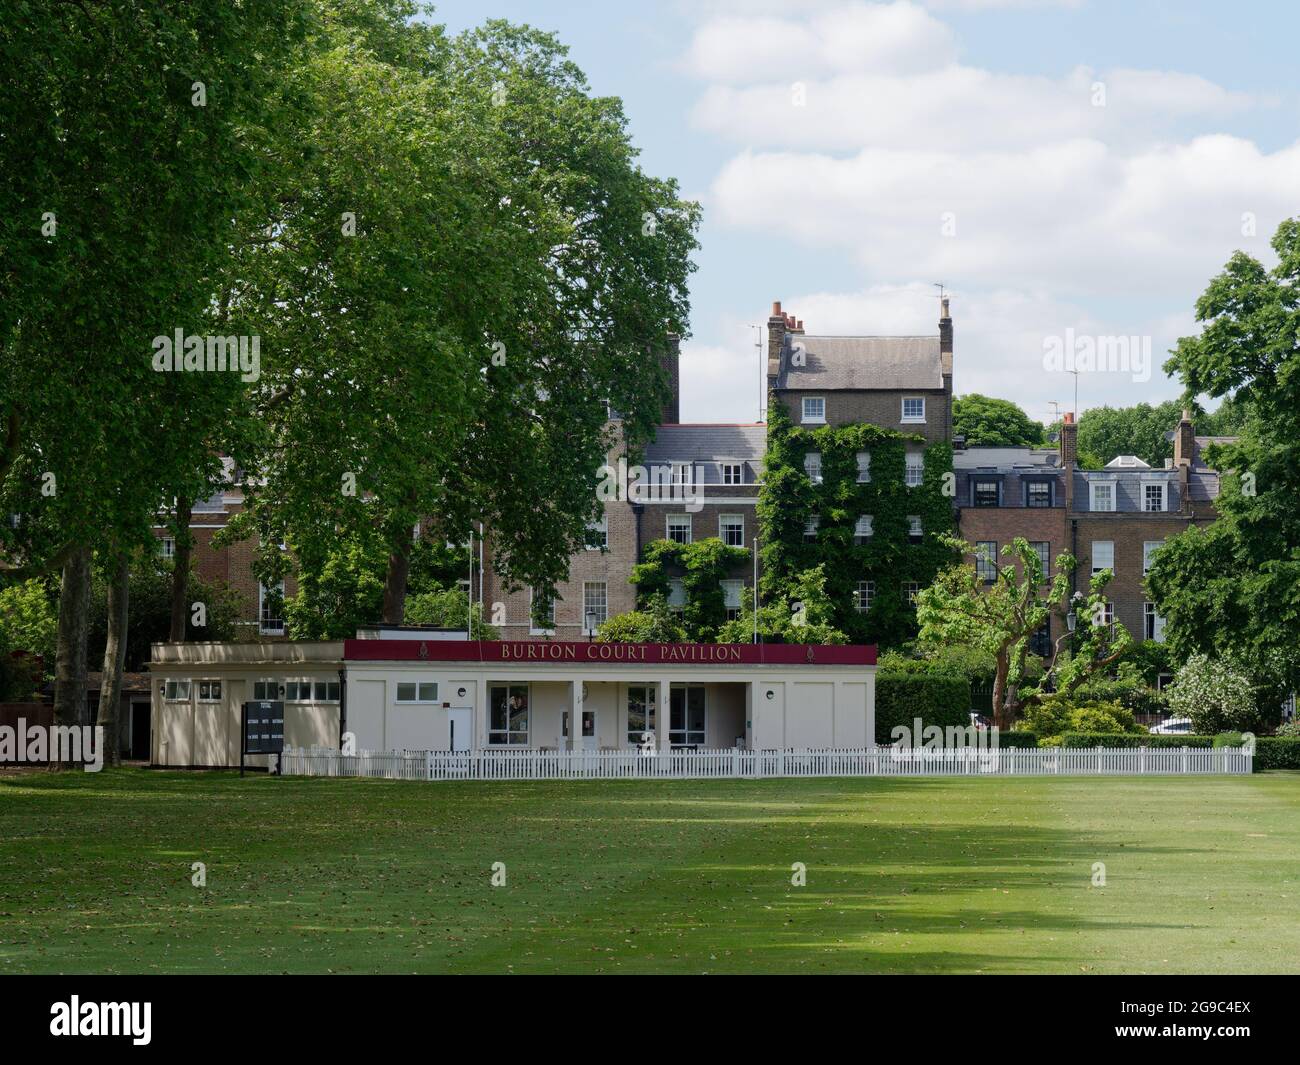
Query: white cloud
point(1041, 211)
point(893, 38)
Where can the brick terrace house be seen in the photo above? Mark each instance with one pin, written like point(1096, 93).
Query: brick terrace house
point(1119, 517)
point(232, 564)
point(898, 382)
point(1115, 518)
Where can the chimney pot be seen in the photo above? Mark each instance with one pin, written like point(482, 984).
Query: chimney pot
point(1069, 418)
point(776, 309)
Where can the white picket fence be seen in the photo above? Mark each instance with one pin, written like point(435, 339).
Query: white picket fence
point(530, 764)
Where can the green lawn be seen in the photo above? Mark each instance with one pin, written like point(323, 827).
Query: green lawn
point(904, 875)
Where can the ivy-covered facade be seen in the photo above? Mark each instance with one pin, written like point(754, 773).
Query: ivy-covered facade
point(838, 496)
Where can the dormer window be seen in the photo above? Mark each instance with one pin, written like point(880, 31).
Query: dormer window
point(1153, 497)
point(985, 493)
point(733, 473)
point(1101, 495)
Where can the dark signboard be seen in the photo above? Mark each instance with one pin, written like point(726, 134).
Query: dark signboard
point(263, 727)
point(561, 651)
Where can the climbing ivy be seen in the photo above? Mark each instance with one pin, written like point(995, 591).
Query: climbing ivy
point(702, 566)
point(888, 558)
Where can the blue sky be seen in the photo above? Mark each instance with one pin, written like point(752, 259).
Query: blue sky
point(1067, 169)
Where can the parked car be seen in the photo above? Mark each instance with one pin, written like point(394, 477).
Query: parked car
point(1175, 726)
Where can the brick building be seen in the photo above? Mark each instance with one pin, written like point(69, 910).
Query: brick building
point(1115, 518)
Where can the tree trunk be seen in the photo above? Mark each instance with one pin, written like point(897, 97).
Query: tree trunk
point(399, 568)
point(110, 689)
point(1000, 690)
point(70, 657)
point(181, 573)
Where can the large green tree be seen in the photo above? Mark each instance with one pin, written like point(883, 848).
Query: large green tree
point(988, 422)
point(466, 266)
point(1234, 589)
point(128, 134)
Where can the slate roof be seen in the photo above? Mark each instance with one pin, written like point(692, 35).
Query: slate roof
point(833, 362)
point(707, 444)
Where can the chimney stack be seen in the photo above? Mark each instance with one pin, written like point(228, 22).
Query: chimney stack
point(670, 361)
point(1185, 441)
point(778, 325)
point(1069, 450)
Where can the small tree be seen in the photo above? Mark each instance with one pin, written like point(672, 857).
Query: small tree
point(654, 623)
point(1216, 693)
point(806, 616)
point(446, 609)
point(997, 615)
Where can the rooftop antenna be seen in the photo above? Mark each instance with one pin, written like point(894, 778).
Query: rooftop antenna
point(1056, 410)
point(942, 291)
point(762, 370)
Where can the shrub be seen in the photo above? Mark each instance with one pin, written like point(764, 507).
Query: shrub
point(1216, 693)
point(1132, 739)
point(1129, 692)
point(1291, 729)
point(1277, 752)
point(1055, 715)
point(654, 624)
point(1228, 739)
point(941, 699)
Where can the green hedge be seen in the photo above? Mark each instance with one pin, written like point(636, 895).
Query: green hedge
point(941, 699)
point(1132, 739)
point(1277, 752)
point(1019, 738)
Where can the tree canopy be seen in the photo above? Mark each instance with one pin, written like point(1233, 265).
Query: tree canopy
point(988, 422)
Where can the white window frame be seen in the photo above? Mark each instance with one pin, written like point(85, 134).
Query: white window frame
point(1093, 486)
point(507, 731)
point(176, 691)
point(1164, 497)
point(812, 466)
point(418, 695)
point(733, 597)
point(911, 419)
point(1109, 549)
point(261, 609)
point(678, 519)
point(911, 589)
point(317, 697)
point(986, 560)
point(863, 596)
point(167, 547)
point(815, 419)
point(732, 520)
point(601, 527)
point(533, 629)
point(732, 472)
point(1149, 548)
point(977, 483)
point(864, 467)
point(914, 527)
point(264, 681)
point(207, 682)
point(686, 732)
point(1153, 625)
point(914, 469)
point(863, 529)
point(811, 527)
point(676, 593)
point(603, 613)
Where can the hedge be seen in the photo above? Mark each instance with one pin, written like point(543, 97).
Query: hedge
point(941, 699)
point(1019, 738)
point(1132, 739)
point(1277, 752)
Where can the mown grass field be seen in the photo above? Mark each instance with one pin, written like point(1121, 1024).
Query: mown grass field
point(903, 875)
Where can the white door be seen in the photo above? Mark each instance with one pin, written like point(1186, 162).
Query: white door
point(458, 723)
point(589, 730)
